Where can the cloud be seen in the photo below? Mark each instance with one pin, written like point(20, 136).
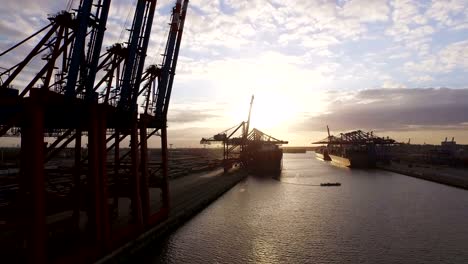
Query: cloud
point(190, 136)
point(367, 10)
point(448, 12)
point(451, 57)
point(395, 109)
point(317, 32)
point(422, 79)
point(190, 115)
point(392, 84)
point(289, 50)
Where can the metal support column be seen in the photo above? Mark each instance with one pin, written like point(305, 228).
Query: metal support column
point(165, 170)
point(103, 186)
point(32, 182)
point(135, 175)
point(144, 190)
point(98, 214)
point(77, 182)
point(117, 181)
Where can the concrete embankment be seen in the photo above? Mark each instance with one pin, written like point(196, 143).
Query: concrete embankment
point(444, 175)
point(189, 195)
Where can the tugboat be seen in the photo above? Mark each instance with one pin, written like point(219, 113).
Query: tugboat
point(329, 184)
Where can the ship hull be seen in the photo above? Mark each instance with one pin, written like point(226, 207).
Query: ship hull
point(355, 160)
point(323, 156)
point(266, 162)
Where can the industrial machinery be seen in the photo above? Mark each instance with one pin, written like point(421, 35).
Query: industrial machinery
point(254, 150)
point(75, 193)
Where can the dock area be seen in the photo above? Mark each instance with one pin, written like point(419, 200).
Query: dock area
point(189, 195)
point(435, 173)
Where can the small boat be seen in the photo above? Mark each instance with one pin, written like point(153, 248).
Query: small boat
point(330, 184)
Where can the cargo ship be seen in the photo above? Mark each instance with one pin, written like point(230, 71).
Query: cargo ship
point(356, 149)
point(263, 158)
point(258, 152)
point(354, 158)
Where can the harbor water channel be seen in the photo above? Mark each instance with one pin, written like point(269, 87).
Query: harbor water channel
point(373, 217)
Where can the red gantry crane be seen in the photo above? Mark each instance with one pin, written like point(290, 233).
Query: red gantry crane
point(62, 204)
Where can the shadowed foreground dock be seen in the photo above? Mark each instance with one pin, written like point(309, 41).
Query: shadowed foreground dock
point(441, 174)
point(189, 195)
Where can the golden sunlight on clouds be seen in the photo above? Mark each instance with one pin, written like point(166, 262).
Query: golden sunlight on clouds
point(276, 110)
point(284, 90)
point(278, 115)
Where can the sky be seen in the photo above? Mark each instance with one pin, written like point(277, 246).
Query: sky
point(396, 67)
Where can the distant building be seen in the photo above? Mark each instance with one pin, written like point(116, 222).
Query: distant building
point(445, 154)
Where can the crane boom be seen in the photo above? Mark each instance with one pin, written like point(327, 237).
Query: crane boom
point(168, 59)
point(246, 132)
point(137, 47)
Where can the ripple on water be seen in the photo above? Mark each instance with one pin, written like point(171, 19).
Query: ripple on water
point(374, 217)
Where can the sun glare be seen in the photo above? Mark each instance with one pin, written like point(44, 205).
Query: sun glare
point(268, 111)
point(277, 111)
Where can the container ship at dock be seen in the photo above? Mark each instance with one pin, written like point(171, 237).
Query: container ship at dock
point(261, 156)
point(354, 159)
point(356, 149)
point(256, 151)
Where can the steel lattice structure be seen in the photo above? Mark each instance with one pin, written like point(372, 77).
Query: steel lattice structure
point(357, 137)
point(87, 101)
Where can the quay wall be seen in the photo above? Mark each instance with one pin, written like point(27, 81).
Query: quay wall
point(451, 177)
point(195, 199)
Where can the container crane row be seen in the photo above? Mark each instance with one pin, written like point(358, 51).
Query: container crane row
point(88, 102)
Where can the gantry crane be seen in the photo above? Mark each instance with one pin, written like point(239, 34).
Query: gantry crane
point(70, 50)
point(357, 137)
point(65, 100)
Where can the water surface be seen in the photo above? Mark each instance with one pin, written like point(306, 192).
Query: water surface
point(374, 217)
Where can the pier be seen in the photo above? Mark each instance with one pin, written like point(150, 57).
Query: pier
point(189, 195)
point(455, 177)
